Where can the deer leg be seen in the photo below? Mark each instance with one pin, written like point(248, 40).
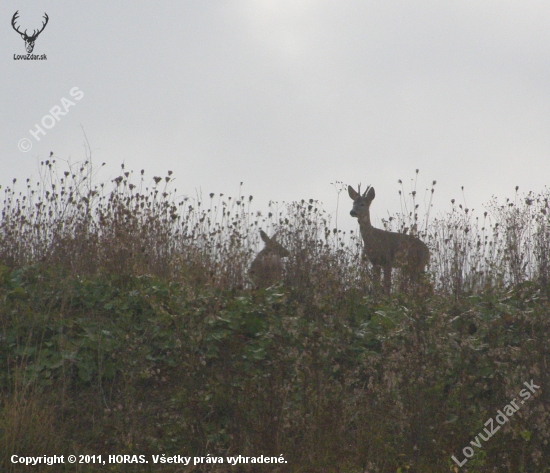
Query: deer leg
point(403, 281)
point(406, 276)
point(387, 279)
point(376, 276)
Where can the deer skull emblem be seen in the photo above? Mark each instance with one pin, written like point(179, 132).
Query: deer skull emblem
point(29, 40)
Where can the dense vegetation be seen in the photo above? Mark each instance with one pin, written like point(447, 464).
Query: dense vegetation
point(129, 326)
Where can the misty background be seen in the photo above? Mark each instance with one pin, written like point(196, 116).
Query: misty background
point(287, 96)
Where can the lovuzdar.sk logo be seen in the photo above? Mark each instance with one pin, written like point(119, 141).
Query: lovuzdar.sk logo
point(29, 38)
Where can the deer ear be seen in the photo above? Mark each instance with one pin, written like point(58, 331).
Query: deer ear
point(264, 237)
point(370, 193)
point(353, 195)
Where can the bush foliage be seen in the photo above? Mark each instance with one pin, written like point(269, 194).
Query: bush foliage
point(129, 326)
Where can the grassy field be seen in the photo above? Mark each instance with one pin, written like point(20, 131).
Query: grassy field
point(129, 327)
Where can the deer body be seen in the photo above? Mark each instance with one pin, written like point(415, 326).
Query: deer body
point(385, 249)
point(267, 267)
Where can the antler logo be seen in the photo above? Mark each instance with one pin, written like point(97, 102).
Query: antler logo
point(29, 40)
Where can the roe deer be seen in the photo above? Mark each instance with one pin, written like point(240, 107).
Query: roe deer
point(267, 268)
point(387, 249)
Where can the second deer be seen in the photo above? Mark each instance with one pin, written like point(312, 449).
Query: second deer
point(267, 267)
point(385, 249)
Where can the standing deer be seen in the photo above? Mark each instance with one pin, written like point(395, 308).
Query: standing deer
point(267, 267)
point(387, 249)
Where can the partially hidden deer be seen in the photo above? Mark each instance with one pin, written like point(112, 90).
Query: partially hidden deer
point(387, 250)
point(267, 267)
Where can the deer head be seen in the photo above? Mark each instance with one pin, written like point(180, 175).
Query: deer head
point(29, 40)
point(361, 203)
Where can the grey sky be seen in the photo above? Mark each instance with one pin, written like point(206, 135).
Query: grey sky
point(288, 95)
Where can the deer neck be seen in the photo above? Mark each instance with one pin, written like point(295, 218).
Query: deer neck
point(364, 223)
point(367, 230)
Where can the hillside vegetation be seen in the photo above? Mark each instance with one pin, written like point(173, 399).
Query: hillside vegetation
point(129, 327)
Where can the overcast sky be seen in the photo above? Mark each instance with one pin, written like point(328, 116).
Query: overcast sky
point(287, 96)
